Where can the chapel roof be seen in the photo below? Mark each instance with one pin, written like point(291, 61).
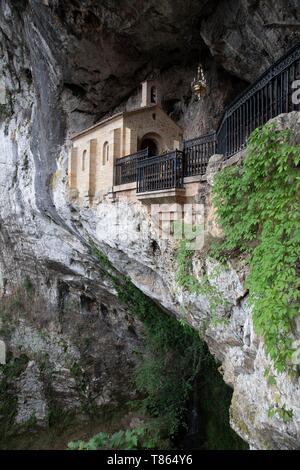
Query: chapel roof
point(117, 116)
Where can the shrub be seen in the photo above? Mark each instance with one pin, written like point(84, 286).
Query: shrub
point(258, 210)
point(138, 438)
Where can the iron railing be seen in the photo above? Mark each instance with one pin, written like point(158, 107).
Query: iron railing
point(126, 167)
point(197, 152)
point(162, 172)
point(265, 99)
point(268, 97)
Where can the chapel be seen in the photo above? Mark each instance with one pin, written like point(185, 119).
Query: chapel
point(97, 161)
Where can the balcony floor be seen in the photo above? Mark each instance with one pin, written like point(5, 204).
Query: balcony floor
point(163, 196)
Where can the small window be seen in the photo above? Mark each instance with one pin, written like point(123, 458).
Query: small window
point(153, 94)
point(105, 153)
point(153, 116)
point(83, 160)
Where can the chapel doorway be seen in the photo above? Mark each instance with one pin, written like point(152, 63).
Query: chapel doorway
point(151, 145)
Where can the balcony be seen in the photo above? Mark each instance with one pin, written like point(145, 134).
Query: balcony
point(161, 178)
point(164, 172)
point(160, 173)
point(126, 167)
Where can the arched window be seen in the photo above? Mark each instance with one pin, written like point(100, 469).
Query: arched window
point(105, 153)
point(83, 160)
point(153, 94)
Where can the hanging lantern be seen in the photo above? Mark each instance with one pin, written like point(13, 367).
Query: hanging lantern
point(199, 84)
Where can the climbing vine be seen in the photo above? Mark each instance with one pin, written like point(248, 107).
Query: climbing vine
point(258, 210)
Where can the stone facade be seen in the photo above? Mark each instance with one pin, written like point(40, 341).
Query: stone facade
point(94, 151)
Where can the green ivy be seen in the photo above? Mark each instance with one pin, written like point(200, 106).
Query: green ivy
point(271, 379)
point(283, 413)
point(258, 209)
point(103, 260)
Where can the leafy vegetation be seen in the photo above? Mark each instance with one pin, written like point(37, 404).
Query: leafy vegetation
point(103, 260)
point(171, 360)
point(282, 412)
point(189, 282)
point(271, 379)
point(214, 433)
point(8, 397)
point(173, 356)
point(137, 438)
point(258, 210)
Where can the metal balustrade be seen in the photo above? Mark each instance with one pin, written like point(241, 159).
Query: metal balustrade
point(126, 167)
point(162, 172)
point(270, 96)
point(197, 152)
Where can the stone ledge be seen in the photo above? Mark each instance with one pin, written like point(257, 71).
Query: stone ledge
point(235, 159)
point(162, 196)
point(194, 179)
point(124, 187)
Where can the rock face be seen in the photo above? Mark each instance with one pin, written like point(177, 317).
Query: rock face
point(72, 359)
point(31, 397)
point(128, 235)
point(247, 36)
point(64, 66)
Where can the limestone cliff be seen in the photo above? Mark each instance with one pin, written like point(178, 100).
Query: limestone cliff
point(64, 65)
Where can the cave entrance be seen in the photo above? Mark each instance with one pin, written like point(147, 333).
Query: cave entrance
point(207, 421)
